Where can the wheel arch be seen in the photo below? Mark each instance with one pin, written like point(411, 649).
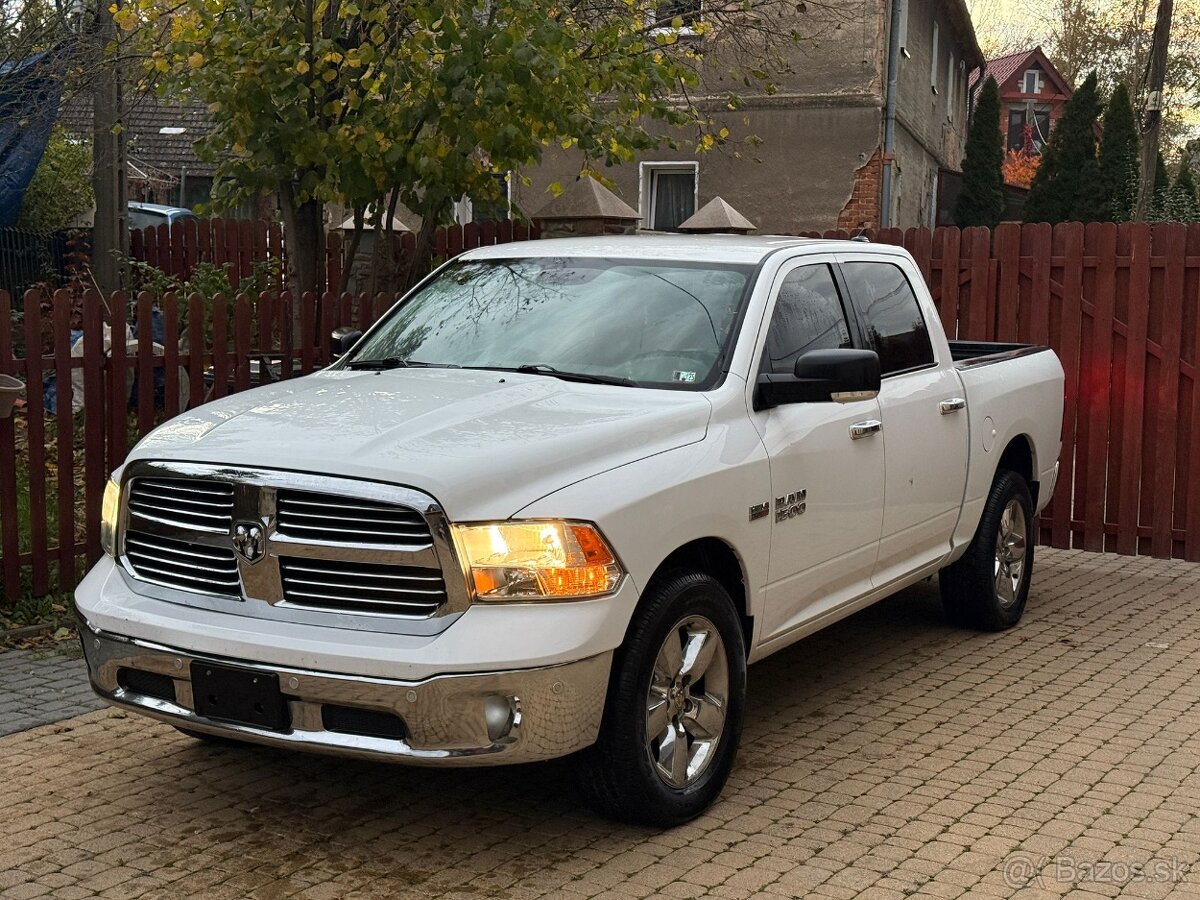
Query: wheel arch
point(1020, 457)
point(715, 557)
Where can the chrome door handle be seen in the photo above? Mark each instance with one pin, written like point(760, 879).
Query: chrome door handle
point(860, 430)
point(954, 404)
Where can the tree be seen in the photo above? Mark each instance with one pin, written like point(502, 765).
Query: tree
point(1119, 159)
point(1181, 203)
point(1067, 184)
point(1113, 38)
point(981, 200)
point(423, 102)
point(1162, 178)
point(61, 189)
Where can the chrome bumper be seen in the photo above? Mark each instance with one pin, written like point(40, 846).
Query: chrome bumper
point(492, 718)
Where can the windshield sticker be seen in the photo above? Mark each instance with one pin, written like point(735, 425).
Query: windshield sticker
point(688, 377)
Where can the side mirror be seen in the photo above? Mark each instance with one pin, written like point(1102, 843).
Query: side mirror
point(342, 339)
point(822, 376)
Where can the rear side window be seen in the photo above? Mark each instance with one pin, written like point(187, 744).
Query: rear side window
point(808, 316)
point(890, 314)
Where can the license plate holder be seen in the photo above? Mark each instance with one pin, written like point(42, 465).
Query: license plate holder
point(239, 696)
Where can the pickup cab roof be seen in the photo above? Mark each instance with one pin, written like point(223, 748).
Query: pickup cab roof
point(719, 248)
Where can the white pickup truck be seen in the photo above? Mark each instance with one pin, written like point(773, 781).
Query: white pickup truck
point(558, 498)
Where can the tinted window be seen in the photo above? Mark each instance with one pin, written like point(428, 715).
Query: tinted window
point(891, 316)
point(808, 316)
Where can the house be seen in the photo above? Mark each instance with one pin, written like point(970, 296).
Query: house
point(824, 133)
point(1032, 94)
point(162, 165)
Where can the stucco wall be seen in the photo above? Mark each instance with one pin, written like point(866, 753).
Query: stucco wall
point(799, 178)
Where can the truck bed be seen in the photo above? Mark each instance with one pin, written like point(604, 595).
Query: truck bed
point(969, 354)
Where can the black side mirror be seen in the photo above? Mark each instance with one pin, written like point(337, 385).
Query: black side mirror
point(822, 376)
point(341, 339)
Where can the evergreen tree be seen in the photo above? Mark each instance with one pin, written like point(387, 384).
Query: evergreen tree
point(1119, 160)
point(1162, 184)
point(1067, 185)
point(981, 200)
point(1181, 203)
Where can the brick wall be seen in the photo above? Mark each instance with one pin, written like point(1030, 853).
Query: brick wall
point(862, 209)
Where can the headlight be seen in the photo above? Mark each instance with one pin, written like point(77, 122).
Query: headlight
point(537, 560)
point(110, 508)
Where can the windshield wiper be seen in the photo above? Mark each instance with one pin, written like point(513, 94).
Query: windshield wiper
point(543, 369)
point(393, 362)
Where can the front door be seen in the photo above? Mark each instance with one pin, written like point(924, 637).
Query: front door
point(827, 462)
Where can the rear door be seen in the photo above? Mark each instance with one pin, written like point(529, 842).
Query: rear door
point(826, 508)
point(924, 416)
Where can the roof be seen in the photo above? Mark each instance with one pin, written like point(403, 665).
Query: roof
point(146, 117)
point(1003, 68)
point(713, 248)
point(960, 17)
point(587, 199)
point(717, 215)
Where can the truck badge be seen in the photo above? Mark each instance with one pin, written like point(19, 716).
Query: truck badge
point(248, 541)
point(759, 510)
point(791, 505)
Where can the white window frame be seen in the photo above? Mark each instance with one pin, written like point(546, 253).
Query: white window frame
point(464, 209)
point(646, 172)
point(1037, 82)
point(951, 85)
point(933, 59)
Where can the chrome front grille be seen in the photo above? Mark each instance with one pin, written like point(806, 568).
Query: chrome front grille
point(294, 547)
point(184, 502)
point(183, 564)
point(348, 520)
point(362, 587)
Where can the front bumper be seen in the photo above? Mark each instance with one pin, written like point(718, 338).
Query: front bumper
point(490, 718)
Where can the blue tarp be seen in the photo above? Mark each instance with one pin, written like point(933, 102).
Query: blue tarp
point(30, 92)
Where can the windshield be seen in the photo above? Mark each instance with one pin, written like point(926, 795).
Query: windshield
point(647, 322)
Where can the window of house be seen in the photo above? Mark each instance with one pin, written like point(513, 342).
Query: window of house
point(902, 41)
point(933, 56)
point(951, 81)
point(668, 194)
point(498, 209)
point(808, 316)
point(664, 12)
point(1038, 134)
point(888, 309)
point(1032, 83)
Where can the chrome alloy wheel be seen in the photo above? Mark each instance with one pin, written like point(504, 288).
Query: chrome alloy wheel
point(1011, 541)
point(686, 703)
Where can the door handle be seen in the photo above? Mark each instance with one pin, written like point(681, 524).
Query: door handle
point(954, 404)
point(860, 430)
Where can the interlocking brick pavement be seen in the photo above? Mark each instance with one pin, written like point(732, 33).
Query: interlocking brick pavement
point(890, 755)
point(38, 687)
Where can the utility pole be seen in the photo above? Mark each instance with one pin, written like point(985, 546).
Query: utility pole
point(110, 238)
point(1152, 115)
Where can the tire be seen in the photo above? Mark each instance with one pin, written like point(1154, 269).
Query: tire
point(634, 776)
point(987, 588)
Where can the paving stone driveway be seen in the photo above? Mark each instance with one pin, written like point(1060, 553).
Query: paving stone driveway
point(888, 756)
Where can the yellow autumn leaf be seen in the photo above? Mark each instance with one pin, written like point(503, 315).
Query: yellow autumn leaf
point(196, 60)
point(302, 67)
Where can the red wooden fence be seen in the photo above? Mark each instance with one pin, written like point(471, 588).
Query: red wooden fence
point(237, 244)
point(1119, 304)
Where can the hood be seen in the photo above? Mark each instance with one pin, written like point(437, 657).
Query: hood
point(484, 444)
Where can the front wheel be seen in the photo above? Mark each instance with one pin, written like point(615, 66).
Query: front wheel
point(673, 716)
point(988, 587)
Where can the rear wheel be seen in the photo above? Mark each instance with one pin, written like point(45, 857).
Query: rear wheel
point(988, 587)
point(673, 716)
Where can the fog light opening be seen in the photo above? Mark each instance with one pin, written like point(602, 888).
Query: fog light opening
point(500, 713)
